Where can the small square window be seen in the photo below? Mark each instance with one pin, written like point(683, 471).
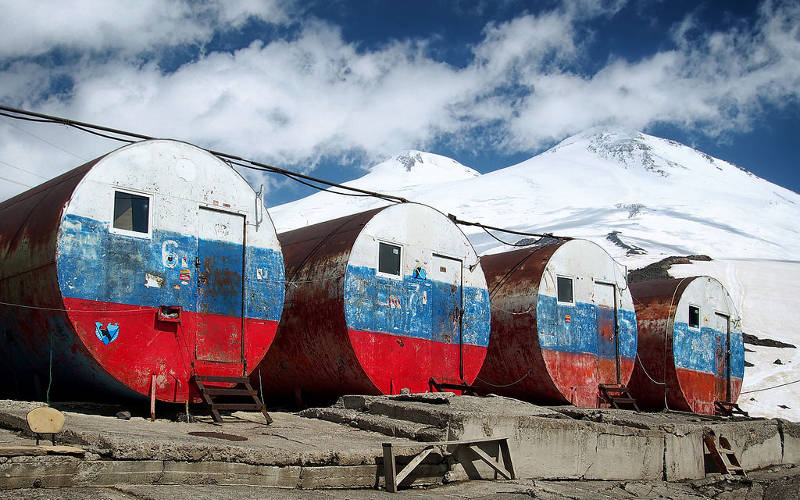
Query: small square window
point(131, 212)
point(389, 259)
point(694, 317)
point(564, 289)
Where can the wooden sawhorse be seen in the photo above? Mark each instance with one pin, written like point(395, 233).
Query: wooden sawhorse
point(394, 478)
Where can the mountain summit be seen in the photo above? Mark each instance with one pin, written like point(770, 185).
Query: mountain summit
point(413, 168)
point(632, 149)
point(408, 174)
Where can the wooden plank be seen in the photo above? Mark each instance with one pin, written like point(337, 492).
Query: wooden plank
point(491, 463)
point(506, 454)
point(221, 391)
point(452, 443)
point(238, 406)
point(409, 468)
point(213, 378)
point(389, 468)
point(153, 398)
point(711, 444)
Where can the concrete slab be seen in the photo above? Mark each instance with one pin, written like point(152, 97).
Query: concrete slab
point(575, 443)
point(300, 452)
point(290, 440)
point(790, 434)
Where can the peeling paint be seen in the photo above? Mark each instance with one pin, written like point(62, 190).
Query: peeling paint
point(153, 281)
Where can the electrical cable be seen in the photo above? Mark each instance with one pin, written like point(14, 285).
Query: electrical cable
point(22, 170)
point(645, 371)
point(16, 182)
point(101, 135)
point(509, 231)
point(770, 388)
point(500, 386)
point(26, 118)
point(21, 114)
point(11, 304)
point(50, 382)
point(56, 146)
point(505, 242)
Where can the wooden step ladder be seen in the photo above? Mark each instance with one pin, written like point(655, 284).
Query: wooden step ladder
point(723, 455)
point(725, 409)
point(241, 390)
point(618, 396)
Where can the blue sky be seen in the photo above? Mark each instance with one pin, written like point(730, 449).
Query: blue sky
point(331, 87)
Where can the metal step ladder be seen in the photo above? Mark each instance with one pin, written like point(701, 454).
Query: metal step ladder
point(725, 409)
point(723, 455)
point(240, 390)
point(618, 396)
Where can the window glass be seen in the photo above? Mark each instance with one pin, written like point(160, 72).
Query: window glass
point(564, 289)
point(389, 259)
point(694, 317)
point(131, 212)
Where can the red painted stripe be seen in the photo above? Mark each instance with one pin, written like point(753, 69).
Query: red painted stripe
point(146, 346)
point(393, 362)
point(700, 390)
point(578, 376)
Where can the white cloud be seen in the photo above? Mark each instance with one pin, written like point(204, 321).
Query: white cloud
point(33, 28)
point(711, 82)
point(312, 94)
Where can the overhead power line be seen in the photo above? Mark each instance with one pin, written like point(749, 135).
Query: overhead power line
point(242, 162)
point(15, 182)
point(313, 182)
point(493, 228)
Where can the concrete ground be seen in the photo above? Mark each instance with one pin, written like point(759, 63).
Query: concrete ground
point(336, 452)
point(776, 483)
point(289, 440)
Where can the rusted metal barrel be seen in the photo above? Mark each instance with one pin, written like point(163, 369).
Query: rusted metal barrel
point(378, 302)
point(154, 262)
point(562, 323)
point(691, 349)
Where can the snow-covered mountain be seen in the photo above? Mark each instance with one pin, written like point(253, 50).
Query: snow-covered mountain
point(656, 194)
point(406, 175)
point(640, 197)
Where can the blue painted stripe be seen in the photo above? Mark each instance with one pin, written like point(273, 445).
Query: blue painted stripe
point(95, 264)
point(737, 355)
point(411, 307)
point(696, 349)
point(580, 334)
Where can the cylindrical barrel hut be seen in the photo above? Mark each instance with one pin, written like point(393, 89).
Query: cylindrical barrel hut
point(154, 262)
point(690, 345)
point(562, 323)
point(378, 302)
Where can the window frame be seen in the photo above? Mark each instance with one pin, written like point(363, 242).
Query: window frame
point(571, 286)
point(378, 272)
point(698, 326)
point(150, 208)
